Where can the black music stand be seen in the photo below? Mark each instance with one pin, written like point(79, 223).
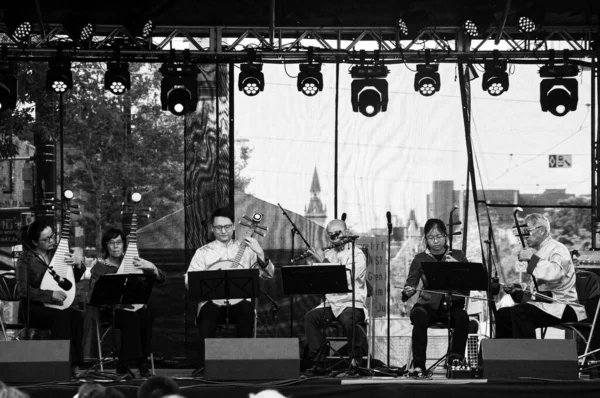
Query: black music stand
point(121, 290)
point(224, 284)
point(316, 279)
point(453, 276)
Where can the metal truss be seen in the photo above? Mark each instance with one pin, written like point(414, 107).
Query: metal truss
point(291, 44)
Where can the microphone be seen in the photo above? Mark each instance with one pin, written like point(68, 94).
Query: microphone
point(344, 217)
point(389, 222)
point(64, 284)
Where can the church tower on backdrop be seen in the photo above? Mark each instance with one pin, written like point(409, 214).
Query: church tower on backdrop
point(316, 211)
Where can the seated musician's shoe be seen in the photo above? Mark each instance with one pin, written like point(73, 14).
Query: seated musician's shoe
point(418, 373)
point(144, 368)
point(76, 373)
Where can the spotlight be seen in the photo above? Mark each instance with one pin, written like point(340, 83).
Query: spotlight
point(68, 194)
point(369, 89)
point(79, 28)
point(526, 24)
point(139, 25)
point(117, 79)
point(179, 87)
point(8, 86)
point(427, 79)
point(20, 31)
point(470, 28)
point(402, 27)
point(310, 79)
point(495, 78)
point(557, 94)
point(59, 77)
point(251, 79)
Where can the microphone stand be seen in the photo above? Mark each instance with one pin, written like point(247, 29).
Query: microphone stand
point(389, 293)
point(274, 311)
point(294, 231)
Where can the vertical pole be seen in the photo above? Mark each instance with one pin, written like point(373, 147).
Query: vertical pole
point(594, 152)
point(336, 141)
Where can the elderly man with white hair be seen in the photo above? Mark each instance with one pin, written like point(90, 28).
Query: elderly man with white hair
point(551, 268)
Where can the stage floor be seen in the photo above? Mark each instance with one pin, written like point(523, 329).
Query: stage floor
point(373, 387)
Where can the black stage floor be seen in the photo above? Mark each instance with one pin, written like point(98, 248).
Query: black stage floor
point(370, 387)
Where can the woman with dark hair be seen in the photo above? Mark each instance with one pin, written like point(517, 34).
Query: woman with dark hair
point(435, 307)
point(135, 326)
point(46, 322)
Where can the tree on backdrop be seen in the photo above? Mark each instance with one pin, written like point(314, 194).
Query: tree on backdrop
point(114, 145)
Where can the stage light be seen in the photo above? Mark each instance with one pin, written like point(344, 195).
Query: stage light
point(20, 31)
point(310, 79)
point(526, 24)
point(402, 27)
point(179, 87)
point(495, 78)
point(59, 77)
point(470, 28)
point(139, 25)
point(79, 28)
point(369, 89)
point(8, 86)
point(558, 91)
point(251, 79)
point(68, 194)
point(117, 79)
point(427, 79)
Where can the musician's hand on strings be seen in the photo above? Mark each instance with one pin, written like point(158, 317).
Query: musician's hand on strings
point(58, 296)
point(254, 246)
point(525, 254)
point(145, 265)
point(75, 259)
point(408, 290)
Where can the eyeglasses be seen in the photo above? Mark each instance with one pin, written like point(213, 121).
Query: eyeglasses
point(48, 239)
point(437, 237)
point(114, 243)
point(334, 235)
point(223, 228)
point(534, 228)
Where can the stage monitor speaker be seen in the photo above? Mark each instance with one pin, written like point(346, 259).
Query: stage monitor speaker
point(252, 359)
point(34, 361)
point(529, 358)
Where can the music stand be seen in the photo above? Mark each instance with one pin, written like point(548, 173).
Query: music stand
point(321, 279)
point(224, 284)
point(122, 290)
point(452, 276)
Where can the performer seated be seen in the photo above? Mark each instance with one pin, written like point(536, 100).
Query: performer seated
point(135, 326)
point(46, 322)
point(339, 305)
point(224, 249)
point(550, 263)
point(435, 307)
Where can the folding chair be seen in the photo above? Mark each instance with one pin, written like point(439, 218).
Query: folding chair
point(588, 293)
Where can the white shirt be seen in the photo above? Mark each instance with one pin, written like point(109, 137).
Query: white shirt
point(215, 252)
point(555, 272)
point(340, 301)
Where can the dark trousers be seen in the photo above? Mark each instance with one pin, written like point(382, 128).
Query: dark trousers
point(136, 335)
point(211, 315)
point(56, 324)
point(423, 317)
point(315, 320)
point(520, 321)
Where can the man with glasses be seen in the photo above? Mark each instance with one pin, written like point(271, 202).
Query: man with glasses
point(551, 268)
point(432, 307)
point(225, 248)
point(339, 305)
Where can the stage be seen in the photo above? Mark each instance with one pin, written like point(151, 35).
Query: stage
point(380, 387)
